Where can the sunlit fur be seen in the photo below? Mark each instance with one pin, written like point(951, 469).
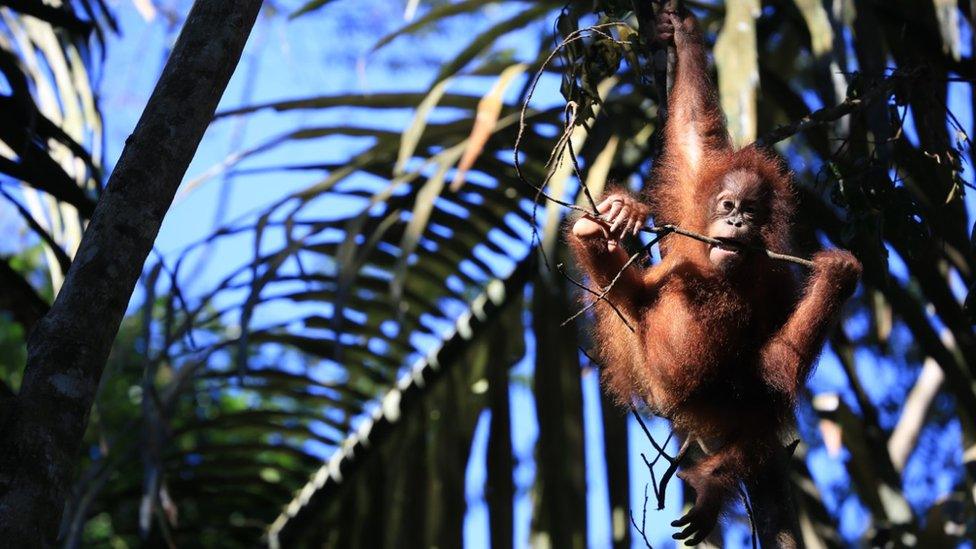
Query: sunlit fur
point(671, 202)
point(722, 354)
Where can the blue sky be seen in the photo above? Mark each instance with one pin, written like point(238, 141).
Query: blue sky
point(325, 54)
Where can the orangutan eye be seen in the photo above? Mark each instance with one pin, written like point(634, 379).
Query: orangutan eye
point(727, 205)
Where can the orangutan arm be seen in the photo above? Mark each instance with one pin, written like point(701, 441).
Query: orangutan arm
point(596, 245)
point(789, 355)
point(695, 126)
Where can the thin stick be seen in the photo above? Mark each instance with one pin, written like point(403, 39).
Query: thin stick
point(572, 156)
point(828, 114)
point(642, 528)
point(660, 488)
point(620, 273)
point(561, 270)
point(666, 229)
point(575, 35)
point(672, 469)
point(818, 117)
point(647, 433)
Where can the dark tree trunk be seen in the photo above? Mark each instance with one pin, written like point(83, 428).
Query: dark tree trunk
point(773, 510)
point(615, 448)
point(500, 485)
point(67, 350)
point(559, 519)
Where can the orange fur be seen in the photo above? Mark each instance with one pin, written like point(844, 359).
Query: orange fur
point(721, 355)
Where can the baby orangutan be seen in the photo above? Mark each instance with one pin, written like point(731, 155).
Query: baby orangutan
point(724, 336)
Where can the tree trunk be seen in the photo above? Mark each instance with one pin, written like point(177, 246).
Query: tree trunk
point(69, 346)
point(615, 448)
point(500, 461)
point(773, 510)
point(559, 519)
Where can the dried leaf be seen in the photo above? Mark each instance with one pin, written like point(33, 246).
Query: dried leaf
point(485, 120)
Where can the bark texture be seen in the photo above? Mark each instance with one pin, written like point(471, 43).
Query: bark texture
point(43, 426)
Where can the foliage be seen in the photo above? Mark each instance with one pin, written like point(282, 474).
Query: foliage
point(215, 410)
point(50, 134)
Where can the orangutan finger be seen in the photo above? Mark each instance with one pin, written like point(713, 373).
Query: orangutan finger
point(621, 219)
point(686, 533)
point(700, 537)
point(637, 226)
point(683, 520)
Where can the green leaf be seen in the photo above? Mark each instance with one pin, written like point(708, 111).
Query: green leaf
point(404, 100)
point(437, 13)
point(422, 209)
point(309, 7)
point(411, 136)
point(488, 37)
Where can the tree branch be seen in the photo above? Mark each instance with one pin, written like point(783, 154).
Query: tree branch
point(67, 351)
point(829, 114)
point(561, 270)
point(666, 229)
